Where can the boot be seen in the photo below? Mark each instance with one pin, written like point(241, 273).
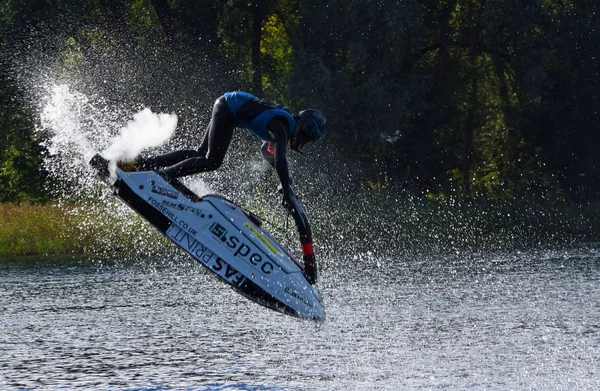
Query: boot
point(101, 165)
point(138, 164)
point(128, 166)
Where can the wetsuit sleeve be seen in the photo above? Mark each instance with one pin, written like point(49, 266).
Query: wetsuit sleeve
point(279, 133)
point(279, 161)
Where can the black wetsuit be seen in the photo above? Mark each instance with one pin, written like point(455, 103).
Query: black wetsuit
point(274, 124)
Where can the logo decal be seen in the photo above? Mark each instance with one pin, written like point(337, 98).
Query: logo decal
point(242, 249)
point(164, 192)
point(184, 208)
point(171, 215)
point(298, 296)
point(205, 256)
point(219, 231)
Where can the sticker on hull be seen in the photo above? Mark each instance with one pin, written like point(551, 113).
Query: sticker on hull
point(205, 256)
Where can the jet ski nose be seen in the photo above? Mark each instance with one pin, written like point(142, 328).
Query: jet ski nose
point(100, 164)
point(318, 314)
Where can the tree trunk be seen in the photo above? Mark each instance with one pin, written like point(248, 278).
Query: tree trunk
point(166, 19)
point(258, 16)
point(437, 92)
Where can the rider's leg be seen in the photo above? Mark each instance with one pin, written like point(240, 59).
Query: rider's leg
point(267, 153)
point(167, 159)
point(216, 142)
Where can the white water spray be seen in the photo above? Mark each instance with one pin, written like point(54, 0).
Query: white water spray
point(146, 130)
point(75, 127)
point(62, 120)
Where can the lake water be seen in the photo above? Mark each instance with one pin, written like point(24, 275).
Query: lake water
point(506, 321)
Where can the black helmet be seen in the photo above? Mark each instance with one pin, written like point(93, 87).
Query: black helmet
point(313, 126)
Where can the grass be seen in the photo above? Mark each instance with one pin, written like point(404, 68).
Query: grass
point(59, 229)
point(32, 229)
point(367, 224)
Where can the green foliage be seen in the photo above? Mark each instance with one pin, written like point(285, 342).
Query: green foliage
point(54, 229)
point(277, 57)
point(21, 176)
point(456, 97)
point(143, 22)
point(29, 230)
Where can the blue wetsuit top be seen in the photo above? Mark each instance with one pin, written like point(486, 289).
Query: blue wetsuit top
point(254, 113)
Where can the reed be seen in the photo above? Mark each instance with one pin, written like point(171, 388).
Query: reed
point(370, 223)
point(59, 229)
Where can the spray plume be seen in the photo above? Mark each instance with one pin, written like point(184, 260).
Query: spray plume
point(146, 130)
point(75, 127)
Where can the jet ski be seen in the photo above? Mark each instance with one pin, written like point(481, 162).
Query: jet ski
point(226, 239)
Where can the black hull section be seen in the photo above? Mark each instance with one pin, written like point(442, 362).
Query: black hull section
point(142, 207)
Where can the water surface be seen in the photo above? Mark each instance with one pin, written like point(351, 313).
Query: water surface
point(509, 321)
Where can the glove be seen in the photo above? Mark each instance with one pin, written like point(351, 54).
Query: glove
point(310, 268)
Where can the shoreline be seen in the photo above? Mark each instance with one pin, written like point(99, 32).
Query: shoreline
point(68, 230)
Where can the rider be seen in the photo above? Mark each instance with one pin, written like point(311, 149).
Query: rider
point(272, 123)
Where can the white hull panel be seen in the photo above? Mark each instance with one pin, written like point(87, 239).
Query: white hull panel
point(226, 240)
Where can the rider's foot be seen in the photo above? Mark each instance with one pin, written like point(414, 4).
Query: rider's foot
point(138, 164)
point(128, 166)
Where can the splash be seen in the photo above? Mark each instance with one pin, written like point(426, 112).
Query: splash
point(146, 130)
point(75, 127)
point(63, 125)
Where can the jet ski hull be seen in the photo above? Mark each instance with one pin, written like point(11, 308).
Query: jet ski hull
point(227, 240)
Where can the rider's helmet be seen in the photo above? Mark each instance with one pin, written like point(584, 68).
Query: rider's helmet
point(313, 126)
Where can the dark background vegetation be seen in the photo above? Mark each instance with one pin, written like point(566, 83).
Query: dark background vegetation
point(461, 98)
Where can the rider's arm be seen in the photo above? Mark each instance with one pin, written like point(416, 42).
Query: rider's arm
point(275, 154)
point(279, 132)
